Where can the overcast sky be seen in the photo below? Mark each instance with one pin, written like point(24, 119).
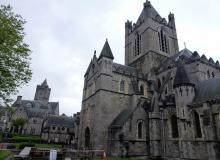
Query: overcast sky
point(63, 35)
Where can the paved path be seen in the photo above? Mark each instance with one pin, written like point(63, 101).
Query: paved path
point(25, 152)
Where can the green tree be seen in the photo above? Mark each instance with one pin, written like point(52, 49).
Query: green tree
point(14, 54)
point(10, 112)
point(19, 122)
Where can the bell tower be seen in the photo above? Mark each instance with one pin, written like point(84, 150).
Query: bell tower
point(150, 39)
point(42, 92)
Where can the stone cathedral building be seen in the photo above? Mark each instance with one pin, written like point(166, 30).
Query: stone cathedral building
point(162, 103)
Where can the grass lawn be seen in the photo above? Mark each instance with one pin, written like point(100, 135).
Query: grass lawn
point(4, 154)
point(55, 146)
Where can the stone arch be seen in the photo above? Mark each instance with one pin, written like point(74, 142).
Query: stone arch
point(122, 86)
point(137, 44)
point(174, 126)
point(163, 40)
point(142, 89)
point(140, 129)
point(87, 138)
point(197, 125)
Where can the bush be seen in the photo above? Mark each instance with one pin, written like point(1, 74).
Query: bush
point(26, 139)
point(12, 146)
point(22, 145)
point(7, 135)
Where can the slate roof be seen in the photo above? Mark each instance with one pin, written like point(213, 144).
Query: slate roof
point(44, 84)
point(185, 53)
point(121, 118)
point(149, 11)
point(181, 77)
point(35, 104)
point(183, 57)
point(174, 60)
point(36, 113)
point(61, 121)
point(126, 70)
point(207, 90)
point(106, 51)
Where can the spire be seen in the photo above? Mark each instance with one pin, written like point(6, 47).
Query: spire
point(94, 56)
point(106, 51)
point(44, 83)
point(181, 77)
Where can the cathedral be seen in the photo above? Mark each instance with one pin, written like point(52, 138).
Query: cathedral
point(162, 103)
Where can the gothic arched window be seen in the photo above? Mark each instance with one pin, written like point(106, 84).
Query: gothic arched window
point(142, 90)
point(197, 126)
point(163, 41)
point(87, 137)
point(140, 129)
point(174, 126)
point(137, 44)
point(122, 86)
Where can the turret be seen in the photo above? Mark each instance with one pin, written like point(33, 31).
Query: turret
point(171, 22)
point(42, 92)
point(105, 59)
point(128, 27)
point(184, 95)
point(184, 88)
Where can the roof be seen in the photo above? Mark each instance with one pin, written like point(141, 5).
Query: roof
point(36, 104)
point(207, 90)
point(62, 121)
point(44, 84)
point(123, 69)
point(185, 56)
point(185, 53)
point(106, 51)
point(126, 70)
point(121, 118)
point(92, 62)
point(149, 11)
point(36, 113)
point(181, 77)
point(173, 61)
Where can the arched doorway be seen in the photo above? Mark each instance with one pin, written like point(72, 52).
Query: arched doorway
point(87, 138)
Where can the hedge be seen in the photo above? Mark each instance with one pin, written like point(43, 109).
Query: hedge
point(26, 139)
point(22, 145)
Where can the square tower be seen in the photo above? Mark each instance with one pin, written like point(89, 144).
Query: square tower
point(150, 39)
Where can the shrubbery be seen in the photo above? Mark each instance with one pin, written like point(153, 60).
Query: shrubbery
point(6, 135)
point(22, 145)
point(26, 139)
point(12, 146)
